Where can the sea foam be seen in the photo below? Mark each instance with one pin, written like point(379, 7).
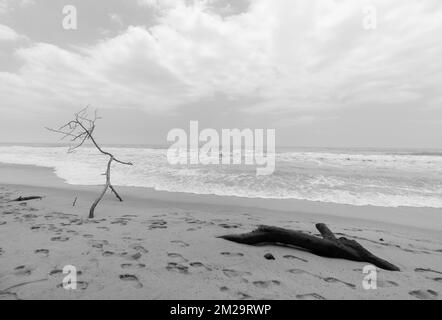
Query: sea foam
point(338, 176)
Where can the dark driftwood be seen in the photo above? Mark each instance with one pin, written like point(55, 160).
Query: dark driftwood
point(328, 246)
point(21, 199)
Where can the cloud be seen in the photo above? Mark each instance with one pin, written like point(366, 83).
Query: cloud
point(114, 17)
point(160, 3)
point(6, 33)
point(9, 5)
point(286, 54)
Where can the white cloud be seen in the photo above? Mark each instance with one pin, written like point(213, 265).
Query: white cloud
point(286, 54)
point(162, 4)
point(114, 17)
point(3, 6)
point(8, 5)
point(6, 33)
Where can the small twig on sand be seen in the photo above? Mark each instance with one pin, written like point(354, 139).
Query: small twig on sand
point(6, 291)
point(75, 201)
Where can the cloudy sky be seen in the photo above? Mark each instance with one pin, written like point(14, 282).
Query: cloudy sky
point(310, 69)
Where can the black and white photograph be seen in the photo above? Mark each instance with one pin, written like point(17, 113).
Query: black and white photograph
point(236, 152)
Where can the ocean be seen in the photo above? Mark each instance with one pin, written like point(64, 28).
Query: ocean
point(376, 177)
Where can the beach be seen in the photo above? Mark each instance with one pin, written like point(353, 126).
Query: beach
point(165, 245)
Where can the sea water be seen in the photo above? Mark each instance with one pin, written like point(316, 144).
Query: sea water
point(374, 177)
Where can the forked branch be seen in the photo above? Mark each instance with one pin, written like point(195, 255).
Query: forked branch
point(79, 131)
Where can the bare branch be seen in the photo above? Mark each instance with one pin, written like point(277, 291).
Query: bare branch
point(79, 131)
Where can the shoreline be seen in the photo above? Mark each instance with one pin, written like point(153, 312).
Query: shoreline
point(161, 245)
point(421, 218)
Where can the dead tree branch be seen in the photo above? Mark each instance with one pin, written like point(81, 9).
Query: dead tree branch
point(79, 131)
point(327, 246)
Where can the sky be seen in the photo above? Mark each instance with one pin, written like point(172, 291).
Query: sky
point(313, 70)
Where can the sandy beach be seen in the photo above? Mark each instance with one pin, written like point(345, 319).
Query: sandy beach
point(159, 245)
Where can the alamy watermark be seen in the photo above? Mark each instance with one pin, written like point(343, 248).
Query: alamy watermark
point(230, 147)
point(70, 20)
point(370, 281)
point(70, 280)
point(370, 21)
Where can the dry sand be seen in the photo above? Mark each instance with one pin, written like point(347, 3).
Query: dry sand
point(159, 245)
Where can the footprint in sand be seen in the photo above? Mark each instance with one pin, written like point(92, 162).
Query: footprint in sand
point(224, 289)
point(93, 221)
point(81, 285)
point(298, 271)
point(43, 252)
point(200, 265)
point(139, 248)
point(59, 271)
point(424, 294)
point(328, 279)
point(234, 273)
point(122, 222)
point(243, 296)
point(180, 243)
point(23, 271)
point(132, 279)
point(159, 216)
point(266, 284)
point(232, 254)
point(60, 239)
point(310, 296)
point(289, 256)
point(9, 212)
point(98, 244)
point(193, 229)
point(55, 272)
point(229, 225)
point(158, 224)
point(427, 270)
point(334, 280)
point(133, 266)
point(387, 284)
point(177, 256)
point(176, 267)
point(108, 253)
point(133, 256)
point(238, 295)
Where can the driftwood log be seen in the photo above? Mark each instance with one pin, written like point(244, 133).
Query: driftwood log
point(21, 199)
point(328, 246)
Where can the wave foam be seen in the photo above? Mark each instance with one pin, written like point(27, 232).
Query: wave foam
point(349, 178)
